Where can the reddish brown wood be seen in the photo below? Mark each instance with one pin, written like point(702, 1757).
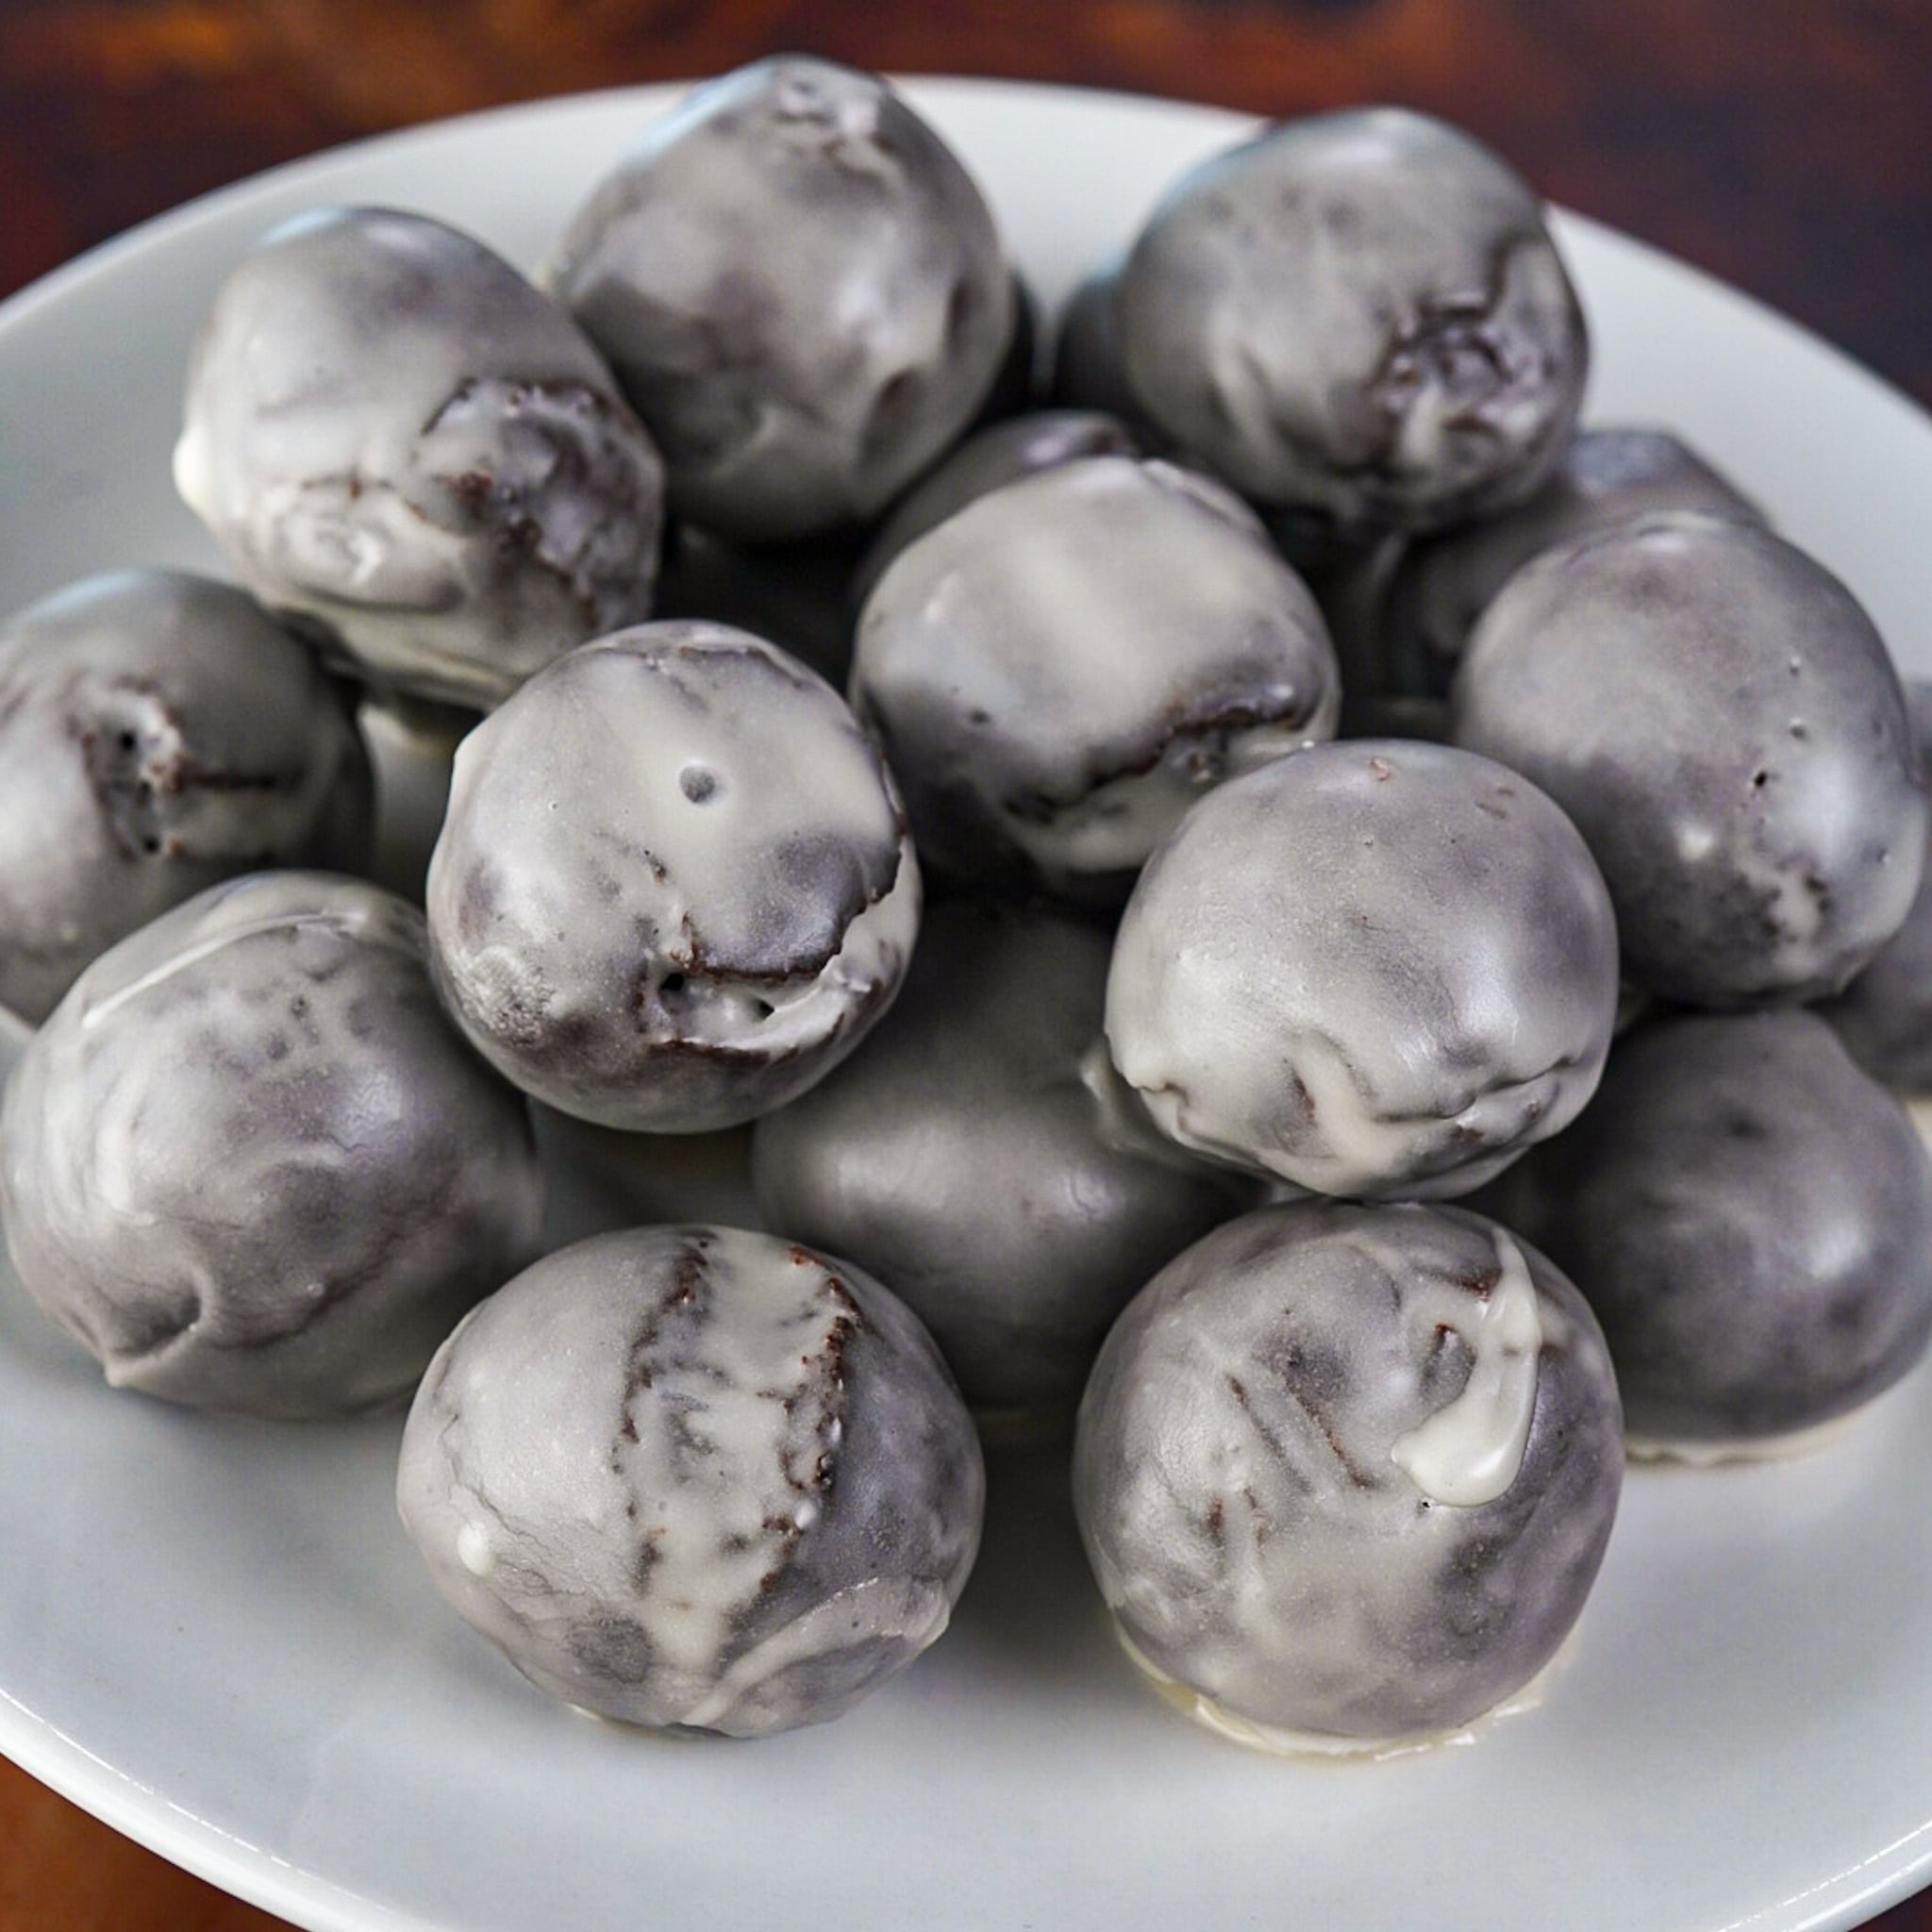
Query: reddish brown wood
point(1786, 145)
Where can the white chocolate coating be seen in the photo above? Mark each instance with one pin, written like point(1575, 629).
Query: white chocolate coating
point(390, 432)
point(1360, 315)
point(1719, 717)
point(1239, 1470)
point(1376, 968)
point(802, 291)
point(674, 886)
point(158, 732)
point(248, 1163)
point(1061, 668)
point(689, 1476)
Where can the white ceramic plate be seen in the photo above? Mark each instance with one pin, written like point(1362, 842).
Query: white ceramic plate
point(215, 1636)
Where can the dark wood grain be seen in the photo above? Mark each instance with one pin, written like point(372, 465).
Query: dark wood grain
point(1785, 145)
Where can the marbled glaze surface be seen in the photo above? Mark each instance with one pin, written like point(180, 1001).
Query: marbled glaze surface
point(674, 886)
point(1722, 721)
point(689, 1476)
point(390, 432)
point(1061, 668)
point(802, 291)
point(249, 1164)
point(1360, 315)
point(1443, 584)
point(960, 1156)
point(158, 732)
point(1376, 968)
point(1240, 1478)
point(1751, 1218)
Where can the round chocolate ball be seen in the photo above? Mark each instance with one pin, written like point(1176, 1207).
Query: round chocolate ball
point(159, 733)
point(674, 886)
point(1059, 670)
point(1719, 717)
point(962, 1157)
point(1377, 967)
point(1345, 1474)
point(248, 1163)
point(1442, 585)
point(802, 291)
point(1360, 315)
point(1750, 1216)
point(695, 1479)
point(391, 433)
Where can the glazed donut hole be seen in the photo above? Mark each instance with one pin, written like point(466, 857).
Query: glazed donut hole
point(697, 1480)
point(1059, 670)
point(674, 886)
point(339, 1178)
point(159, 733)
point(1750, 1216)
point(1345, 1473)
point(395, 439)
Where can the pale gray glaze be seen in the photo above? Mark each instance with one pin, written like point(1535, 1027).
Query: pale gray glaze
point(1721, 720)
point(392, 433)
point(158, 732)
point(1057, 670)
point(1377, 967)
point(802, 291)
point(1885, 1015)
point(605, 1485)
point(1750, 1216)
point(959, 1155)
point(1234, 1480)
point(1000, 453)
point(674, 886)
point(248, 1163)
point(1443, 584)
point(1359, 314)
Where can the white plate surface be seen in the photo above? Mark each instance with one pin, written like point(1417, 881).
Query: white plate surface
point(214, 1635)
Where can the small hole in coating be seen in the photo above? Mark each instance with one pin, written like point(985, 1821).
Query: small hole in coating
point(697, 783)
point(672, 984)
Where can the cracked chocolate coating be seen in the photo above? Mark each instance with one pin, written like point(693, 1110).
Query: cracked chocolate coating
point(960, 1156)
point(1020, 446)
point(391, 433)
point(674, 886)
point(1376, 968)
point(1059, 670)
point(1240, 1483)
point(1444, 584)
point(695, 1479)
point(1750, 1216)
point(1885, 1015)
point(802, 291)
point(249, 1165)
point(158, 732)
point(1719, 717)
point(1359, 315)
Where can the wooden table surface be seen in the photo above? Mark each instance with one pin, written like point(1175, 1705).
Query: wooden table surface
point(1785, 145)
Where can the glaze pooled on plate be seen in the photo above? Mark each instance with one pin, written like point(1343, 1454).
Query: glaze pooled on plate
point(1359, 315)
point(248, 1163)
point(391, 434)
point(1750, 1216)
point(1059, 670)
point(694, 1478)
point(1719, 717)
point(961, 1156)
point(1375, 968)
point(158, 732)
point(1348, 1471)
point(802, 291)
point(674, 886)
